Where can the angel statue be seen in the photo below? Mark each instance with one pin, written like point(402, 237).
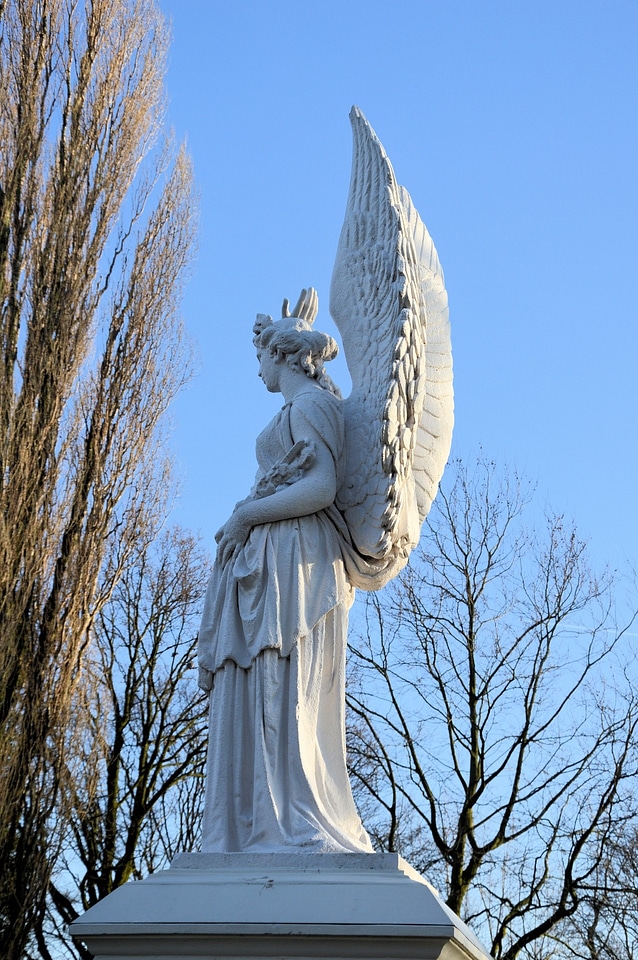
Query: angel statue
point(342, 489)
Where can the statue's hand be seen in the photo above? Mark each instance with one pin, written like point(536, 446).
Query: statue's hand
point(232, 536)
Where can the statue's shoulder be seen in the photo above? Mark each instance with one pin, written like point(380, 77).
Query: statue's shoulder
point(324, 412)
point(320, 403)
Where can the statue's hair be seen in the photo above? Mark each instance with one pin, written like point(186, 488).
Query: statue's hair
point(300, 346)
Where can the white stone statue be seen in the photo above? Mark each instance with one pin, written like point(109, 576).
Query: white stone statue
point(342, 489)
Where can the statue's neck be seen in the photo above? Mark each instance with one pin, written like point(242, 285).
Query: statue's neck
point(294, 382)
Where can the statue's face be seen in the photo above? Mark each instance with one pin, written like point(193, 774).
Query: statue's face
point(269, 370)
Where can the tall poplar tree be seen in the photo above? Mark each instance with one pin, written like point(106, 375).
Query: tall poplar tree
point(96, 230)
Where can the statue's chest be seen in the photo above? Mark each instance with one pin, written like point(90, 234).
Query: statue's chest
point(275, 440)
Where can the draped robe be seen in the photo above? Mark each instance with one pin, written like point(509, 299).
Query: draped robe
point(272, 649)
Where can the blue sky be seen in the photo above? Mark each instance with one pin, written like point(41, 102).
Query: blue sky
point(514, 125)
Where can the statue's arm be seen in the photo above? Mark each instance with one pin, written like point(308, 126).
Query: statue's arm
point(312, 492)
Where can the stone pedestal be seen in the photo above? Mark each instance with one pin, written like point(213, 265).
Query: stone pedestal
point(278, 906)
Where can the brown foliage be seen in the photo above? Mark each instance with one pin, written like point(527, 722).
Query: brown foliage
point(95, 233)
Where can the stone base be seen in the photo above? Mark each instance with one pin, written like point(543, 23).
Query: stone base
point(279, 906)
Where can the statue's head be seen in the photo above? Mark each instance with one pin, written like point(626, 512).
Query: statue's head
point(294, 340)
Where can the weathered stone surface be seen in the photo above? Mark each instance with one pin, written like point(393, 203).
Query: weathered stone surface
point(271, 905)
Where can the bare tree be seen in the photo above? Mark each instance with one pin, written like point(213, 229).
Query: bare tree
point(138, 741)
point(494, 717)
point(606, 927)
point(95, 233)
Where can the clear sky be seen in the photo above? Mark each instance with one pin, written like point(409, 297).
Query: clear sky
point(514, 125)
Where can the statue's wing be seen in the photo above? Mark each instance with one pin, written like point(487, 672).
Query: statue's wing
point(388, 299)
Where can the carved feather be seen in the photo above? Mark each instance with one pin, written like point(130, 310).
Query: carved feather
point(388, 299)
